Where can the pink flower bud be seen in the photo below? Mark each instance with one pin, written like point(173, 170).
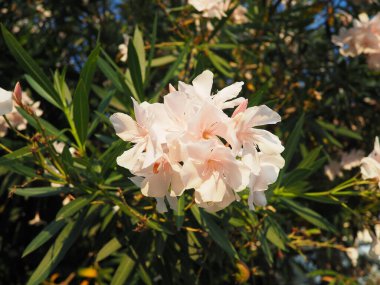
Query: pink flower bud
point(17, 93)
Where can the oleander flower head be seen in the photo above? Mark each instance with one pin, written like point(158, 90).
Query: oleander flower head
point(362, 38)
point(370, 165)
point(190, 142)
point(211, 8)
point(20, 99)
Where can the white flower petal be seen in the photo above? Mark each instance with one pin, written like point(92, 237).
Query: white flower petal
point(6, 102)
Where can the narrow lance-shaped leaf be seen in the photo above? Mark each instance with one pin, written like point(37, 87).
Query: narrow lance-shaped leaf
point(216, 233)
point(135, 70)
point(57, 251)
point(41, 191)
point(73, 207)
point(123, 270)
point(291, 146)
point(173, 69)
point(45, 235)
point(109, 248)
point(31, 67)
point(308, 214)
point(80, 101)
point(138, 43)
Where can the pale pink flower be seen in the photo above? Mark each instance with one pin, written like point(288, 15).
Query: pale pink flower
point(159, 176)
point(156, 180)
point(15, 118)
point(123, 49)
point(353, 255)
point(211, 8)
point(200, 92)
point(59, 146)
point(362, 38)
point(212, 170)
point(6, 102)
point(161, 206)
point(370, 165)
point(333, 169)
point(270, 165)
point(142, 133)
point(351, 159)
point(239, 15)
point(249, 136)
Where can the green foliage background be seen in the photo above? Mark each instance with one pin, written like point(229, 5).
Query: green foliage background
point(69, 61)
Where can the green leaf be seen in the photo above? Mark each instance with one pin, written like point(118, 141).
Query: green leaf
point(102, 107)
point(275, 234)
point(180, 214)
point(40, 90)
point(135, 70)
point(217, 234)
point(138, 45)
point(49, 128)
point(21, 152)
point(73, 207)
point(310, 158)
point(257, 98)
point(292, 142)
point(265, 247)
point(17, 167)
point(109, 248)
point(309, 215)
point(153, 39)
point(129, 211)
point(123, 270)
point(112, 72)
point(45, 235)
point(339, 130)
point(61, 86)
point(173, 69)
point(80, 101)
point(30, 66)
point(57, 251)
point(220, 64)
point(108, 158)
point(164, 60)
point(41, 191)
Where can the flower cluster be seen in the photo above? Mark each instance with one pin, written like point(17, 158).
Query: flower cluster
point(370, 165)
point(363, 38)
point(211, 8)
point(189, 142)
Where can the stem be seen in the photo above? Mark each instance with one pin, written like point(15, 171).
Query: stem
point(5, 148)
point(14, 129)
